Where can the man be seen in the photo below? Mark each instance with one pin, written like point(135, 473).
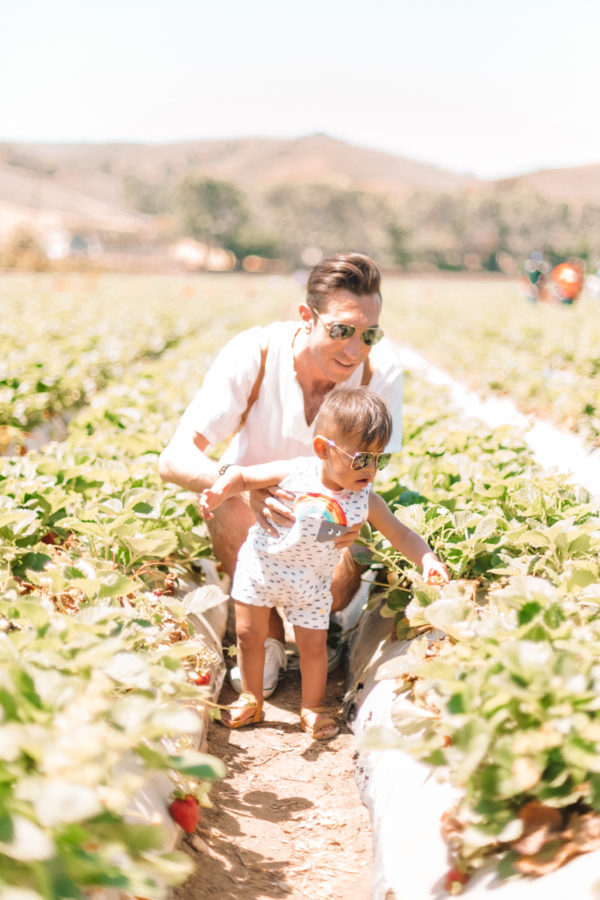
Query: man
point(266, 387)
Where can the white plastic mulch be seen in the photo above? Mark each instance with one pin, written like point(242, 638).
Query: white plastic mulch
point(405, 799)
point(553, 448)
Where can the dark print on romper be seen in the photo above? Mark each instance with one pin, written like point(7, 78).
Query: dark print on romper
point(329, 531)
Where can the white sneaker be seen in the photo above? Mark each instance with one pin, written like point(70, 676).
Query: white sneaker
point(275, 661)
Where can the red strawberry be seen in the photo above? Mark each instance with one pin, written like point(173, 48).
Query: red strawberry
point(453, 876)
point(185, 812)
point(204, 678)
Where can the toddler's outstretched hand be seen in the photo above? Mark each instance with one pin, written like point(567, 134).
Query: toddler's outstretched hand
point(213, 496)
point(434, 570)
point(208, 500)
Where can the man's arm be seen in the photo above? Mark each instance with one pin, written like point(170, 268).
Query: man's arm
point(214, 413)
point(184, 462)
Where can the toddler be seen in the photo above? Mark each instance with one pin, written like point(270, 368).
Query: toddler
point(292, 568)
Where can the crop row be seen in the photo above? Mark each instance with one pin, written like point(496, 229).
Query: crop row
point(98, 659)
point(62, 340)
point(546, 358)
point(501, 665)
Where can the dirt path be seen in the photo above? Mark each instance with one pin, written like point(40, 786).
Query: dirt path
point(288, 820)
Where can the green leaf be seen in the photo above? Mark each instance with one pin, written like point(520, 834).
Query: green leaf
point(506, 866)
point(34, 562)
point(533, 539)
point(378, 738)
point(59, 801)
point(595, 792)
point(201, 765)
point(29, 842)
point(18, 517)
point(116, 585)
point(581, 576)
point(528, 612)
point(397, 599)
point(6, 828)
point(159, 543)
point(578, 753)
point(456, 704)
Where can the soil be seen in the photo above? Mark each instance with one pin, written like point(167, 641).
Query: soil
point(288, 820)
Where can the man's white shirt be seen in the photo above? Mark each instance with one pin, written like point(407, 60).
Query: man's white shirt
point(276, 426)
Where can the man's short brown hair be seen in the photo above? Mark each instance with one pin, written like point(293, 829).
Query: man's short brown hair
point(347, 412)
point(353, 272)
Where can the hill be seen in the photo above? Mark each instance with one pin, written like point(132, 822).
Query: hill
point(575, 185)
point(36, 197)
point(89, 180)
point(127, 190)
point(98, 170)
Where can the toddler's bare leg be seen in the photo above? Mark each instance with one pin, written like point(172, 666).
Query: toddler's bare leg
point(312, 646)
point(252, 625)
point(228, 530)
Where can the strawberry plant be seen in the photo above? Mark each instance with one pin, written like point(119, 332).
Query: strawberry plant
point(508, 703)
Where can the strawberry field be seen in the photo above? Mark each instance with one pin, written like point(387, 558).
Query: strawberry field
point(484, 332)
point(98, 658)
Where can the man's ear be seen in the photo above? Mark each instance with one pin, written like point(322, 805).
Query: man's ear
point(320, 446)
point(305, 313)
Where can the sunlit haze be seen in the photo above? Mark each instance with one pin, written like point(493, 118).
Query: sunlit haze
point(492, 88)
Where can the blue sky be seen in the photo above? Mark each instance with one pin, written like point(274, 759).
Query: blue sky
point(492, 87)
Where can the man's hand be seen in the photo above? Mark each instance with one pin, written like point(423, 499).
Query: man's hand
point(270, 504)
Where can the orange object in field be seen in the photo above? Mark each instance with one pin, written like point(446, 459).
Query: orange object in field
point(568, 278)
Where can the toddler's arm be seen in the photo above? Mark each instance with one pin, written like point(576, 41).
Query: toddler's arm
point(406, 541)
point(237, 479)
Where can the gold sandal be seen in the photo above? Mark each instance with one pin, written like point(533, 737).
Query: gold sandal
point(318, 723)
point(246, 710)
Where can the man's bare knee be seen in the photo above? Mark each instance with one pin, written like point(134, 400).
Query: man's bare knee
point(346, 581)
point(228, 530)
point(276, 627)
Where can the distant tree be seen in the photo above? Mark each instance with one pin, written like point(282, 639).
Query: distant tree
point(446, 231)
point(251, 242)
point(398, 237)
point(328, 218)
point(23, 251)
point(211, 210)
point(150, 198)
